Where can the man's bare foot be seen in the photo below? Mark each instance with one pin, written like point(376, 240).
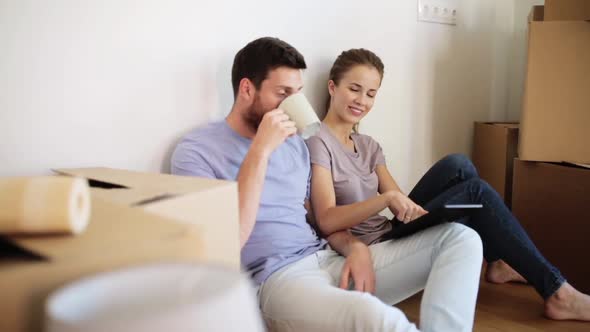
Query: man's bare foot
point(499, 272)
point(568, 303)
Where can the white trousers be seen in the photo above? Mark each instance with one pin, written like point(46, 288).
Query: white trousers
point(444, 260)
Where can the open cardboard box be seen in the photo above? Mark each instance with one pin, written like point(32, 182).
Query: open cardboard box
point(136, 218)
point(209, 203)
point(555, 116)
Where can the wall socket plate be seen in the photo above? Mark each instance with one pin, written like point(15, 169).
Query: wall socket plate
point(438, 11)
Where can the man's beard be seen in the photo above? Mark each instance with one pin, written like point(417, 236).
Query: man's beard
point(254, 114)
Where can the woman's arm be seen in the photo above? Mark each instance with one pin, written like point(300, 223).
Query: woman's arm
point(402, 207)
point(331, 218)
point(386, 181)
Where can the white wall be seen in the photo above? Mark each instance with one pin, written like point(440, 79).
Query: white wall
point(116, 83)
point(522, 9)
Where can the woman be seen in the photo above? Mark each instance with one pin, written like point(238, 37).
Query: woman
point(351, 184)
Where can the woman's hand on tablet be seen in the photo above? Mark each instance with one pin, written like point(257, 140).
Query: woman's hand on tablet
point(404, 209)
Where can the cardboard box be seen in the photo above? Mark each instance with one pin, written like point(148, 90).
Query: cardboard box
point(494, 149)
point(551, 201)
point(136, 218)
point(567, 10)
point(555, 117)
point(211, 204)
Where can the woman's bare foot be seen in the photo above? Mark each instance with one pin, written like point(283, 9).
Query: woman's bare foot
point(499, 272)
point(568, 303)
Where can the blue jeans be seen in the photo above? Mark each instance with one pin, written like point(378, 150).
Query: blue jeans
point(454, 180)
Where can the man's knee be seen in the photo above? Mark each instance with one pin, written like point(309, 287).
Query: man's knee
point(471, 240)
point(370, 314)
point(466, 238)
point(356, 312)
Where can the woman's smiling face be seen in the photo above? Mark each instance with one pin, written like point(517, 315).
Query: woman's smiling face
point(354, 95)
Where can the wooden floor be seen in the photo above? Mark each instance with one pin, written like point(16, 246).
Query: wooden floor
point(508, 307)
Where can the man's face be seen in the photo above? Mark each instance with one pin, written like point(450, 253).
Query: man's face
point(280, 83)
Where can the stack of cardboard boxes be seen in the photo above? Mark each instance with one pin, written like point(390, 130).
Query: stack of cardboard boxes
point(551, 176)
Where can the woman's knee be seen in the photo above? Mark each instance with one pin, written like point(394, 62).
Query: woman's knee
point(480, 185)
point(461, 163)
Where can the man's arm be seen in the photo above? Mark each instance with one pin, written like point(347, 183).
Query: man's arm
point(250, 184)
point(359, 263)
point(273, 130)
point(343, 242)
point(250, 181)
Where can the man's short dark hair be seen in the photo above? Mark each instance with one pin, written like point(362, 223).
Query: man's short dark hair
point(260, 56)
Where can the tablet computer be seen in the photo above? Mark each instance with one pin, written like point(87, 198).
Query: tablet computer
point(446, 213)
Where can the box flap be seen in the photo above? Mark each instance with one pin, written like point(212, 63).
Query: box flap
point(219, 219)
point(567, 10)
point(508, 125)
point(10, 251)
point(587, 166)
point(131, 197)
point(112, 228)
point(171, 184)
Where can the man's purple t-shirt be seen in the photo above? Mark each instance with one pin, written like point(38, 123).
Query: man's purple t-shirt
point(281, 234)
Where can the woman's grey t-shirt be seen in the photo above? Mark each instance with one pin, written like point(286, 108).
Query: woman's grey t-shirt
point(353, 175)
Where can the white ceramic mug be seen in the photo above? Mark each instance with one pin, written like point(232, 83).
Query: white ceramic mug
point(300, 111)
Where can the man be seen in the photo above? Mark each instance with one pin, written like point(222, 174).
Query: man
point(303, 283)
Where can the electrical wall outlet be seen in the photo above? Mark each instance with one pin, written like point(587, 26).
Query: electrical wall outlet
point(438, 11)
